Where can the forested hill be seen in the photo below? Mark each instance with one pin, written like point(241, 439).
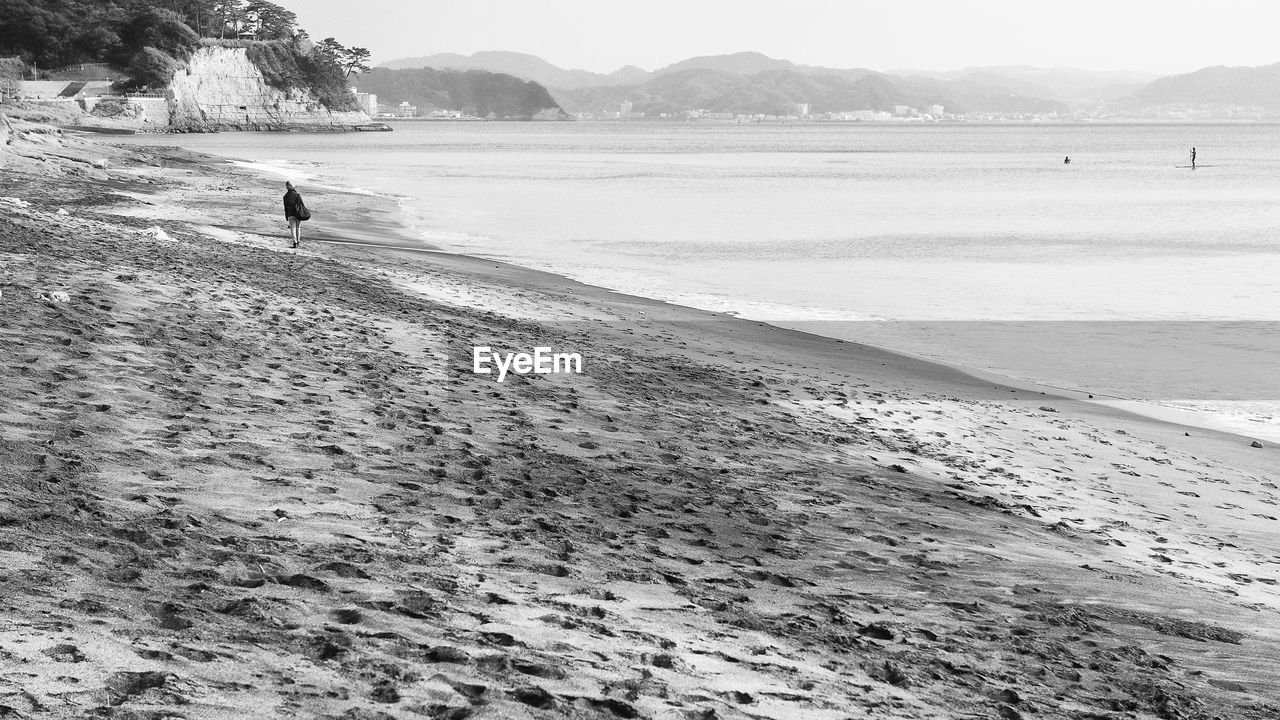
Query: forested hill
point(1214, 86)
point(776, 91)
point(151, 40)
point(54, 33)
point(485, 94)
point(529, 67)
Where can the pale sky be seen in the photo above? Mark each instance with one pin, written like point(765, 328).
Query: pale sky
point(1158, 36)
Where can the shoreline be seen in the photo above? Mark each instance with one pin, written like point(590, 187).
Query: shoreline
point(404, 237)
point(242, 481)
point(1103, 404)
point(1151, 410)
point(988, 385)
point(1117, 414)
point(1200, 419)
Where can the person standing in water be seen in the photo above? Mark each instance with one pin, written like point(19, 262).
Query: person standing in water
point(1193, 158)
point(294, 212)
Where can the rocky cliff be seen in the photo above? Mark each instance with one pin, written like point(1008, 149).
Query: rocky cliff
point(221, 88)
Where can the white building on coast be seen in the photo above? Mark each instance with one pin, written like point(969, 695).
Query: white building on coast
point(368, 102)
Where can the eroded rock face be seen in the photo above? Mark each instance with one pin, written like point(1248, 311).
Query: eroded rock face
point(119, 109)
point(221, 87)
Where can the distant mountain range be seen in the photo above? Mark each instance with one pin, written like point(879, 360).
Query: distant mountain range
point(1214, 86)
point(528, 67)
point(750, 82)
point(746, 82)
point(775, 92)
point(1063, 84)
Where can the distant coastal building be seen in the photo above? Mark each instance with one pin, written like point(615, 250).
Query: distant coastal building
point(627, 110)
point(857, 115)
point(800, 110)
point(447, 114)
point(903, 110)
point(935, 110)
point(405, 110)
point(368, 102)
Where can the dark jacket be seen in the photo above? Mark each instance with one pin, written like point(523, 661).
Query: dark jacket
point(292, 203)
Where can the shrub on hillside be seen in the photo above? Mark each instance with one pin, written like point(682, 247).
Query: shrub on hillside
point(285, 67)
point(152, 68)
point(160, 29)
point(278, 62)
point(328, 82)
point(227, 42)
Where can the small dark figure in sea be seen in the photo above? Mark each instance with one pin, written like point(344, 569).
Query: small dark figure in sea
point(295, 212)
point(1066, 160)
point(1193, 158)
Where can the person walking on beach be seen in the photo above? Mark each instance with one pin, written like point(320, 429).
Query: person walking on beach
point(295, 212)
point(1193, 158)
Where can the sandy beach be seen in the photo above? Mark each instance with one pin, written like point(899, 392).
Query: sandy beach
point(243, 481)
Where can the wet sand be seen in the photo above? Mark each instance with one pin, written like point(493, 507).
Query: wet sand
point(242, 481)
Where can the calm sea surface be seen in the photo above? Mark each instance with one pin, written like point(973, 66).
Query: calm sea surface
point(1124, 273)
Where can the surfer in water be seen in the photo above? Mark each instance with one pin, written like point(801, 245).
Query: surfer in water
point(1193, 158)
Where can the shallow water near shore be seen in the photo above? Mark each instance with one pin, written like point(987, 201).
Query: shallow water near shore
point(1121, 274)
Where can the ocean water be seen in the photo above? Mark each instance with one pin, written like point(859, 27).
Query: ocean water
point(1125, 273)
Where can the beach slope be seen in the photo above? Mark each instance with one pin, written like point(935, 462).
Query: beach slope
point(241, 481)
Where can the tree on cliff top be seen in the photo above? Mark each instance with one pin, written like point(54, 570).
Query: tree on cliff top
point(350, 60)
point(264, 20)
point(286, 67)
point(269, 21)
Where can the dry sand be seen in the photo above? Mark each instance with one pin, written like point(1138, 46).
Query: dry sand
point(242, 481)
